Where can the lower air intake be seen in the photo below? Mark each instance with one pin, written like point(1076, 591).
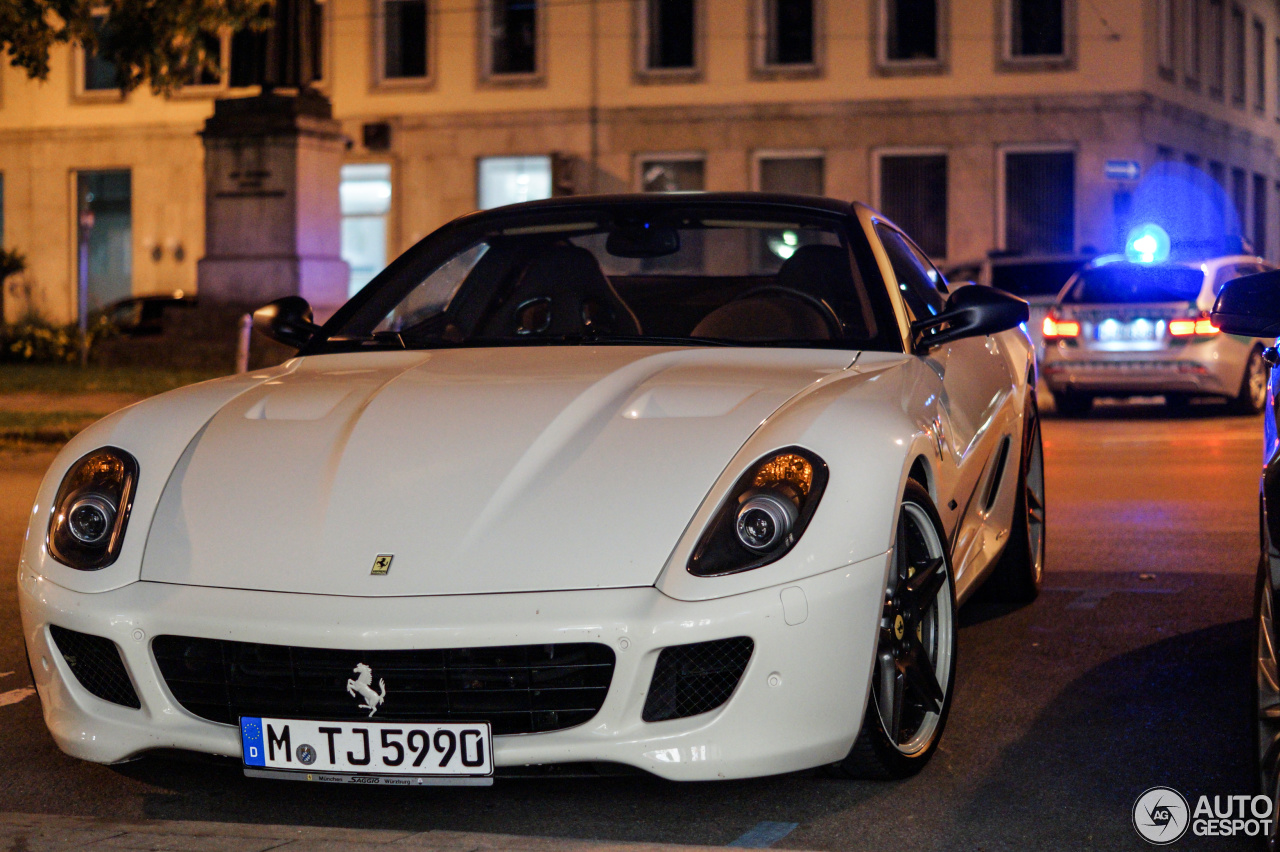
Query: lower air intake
point(697, 678)
point(96, 663)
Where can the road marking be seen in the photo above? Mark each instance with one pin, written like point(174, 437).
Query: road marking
point(764, 835)
point(13, 696)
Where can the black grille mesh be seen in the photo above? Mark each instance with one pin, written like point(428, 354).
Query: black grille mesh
point(692, 679)
point(518, 689)
point(96, 663)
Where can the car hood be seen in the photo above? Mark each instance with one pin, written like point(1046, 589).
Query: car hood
point(474, 470)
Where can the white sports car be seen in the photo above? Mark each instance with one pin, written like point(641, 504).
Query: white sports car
point(688, 483)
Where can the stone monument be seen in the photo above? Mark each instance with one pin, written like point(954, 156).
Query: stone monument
point(273, 224)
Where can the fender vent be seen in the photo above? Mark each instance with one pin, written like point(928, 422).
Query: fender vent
point(697, 678)
point(96, 663)
point(993, 491)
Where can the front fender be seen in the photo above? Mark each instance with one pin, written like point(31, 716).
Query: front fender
point(155, 431)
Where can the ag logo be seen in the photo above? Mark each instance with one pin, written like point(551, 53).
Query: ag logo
point(382, 564)
point(1161, 816)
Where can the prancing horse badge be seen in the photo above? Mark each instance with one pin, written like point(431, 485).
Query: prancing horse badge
point(382, 564)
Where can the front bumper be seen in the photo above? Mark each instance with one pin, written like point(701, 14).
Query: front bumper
point(1208, 368)
point(799, 703)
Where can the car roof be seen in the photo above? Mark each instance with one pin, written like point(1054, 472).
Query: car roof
point(659, 200)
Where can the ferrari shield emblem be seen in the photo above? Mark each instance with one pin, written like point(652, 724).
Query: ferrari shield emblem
point(382, 564)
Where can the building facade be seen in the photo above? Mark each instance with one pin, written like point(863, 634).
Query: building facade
point(1022, 125)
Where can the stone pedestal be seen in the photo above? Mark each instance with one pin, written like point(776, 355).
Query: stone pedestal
point(273, 225)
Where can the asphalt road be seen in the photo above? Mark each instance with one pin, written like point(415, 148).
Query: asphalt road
point(1130, 671)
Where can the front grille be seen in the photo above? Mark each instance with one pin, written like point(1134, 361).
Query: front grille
point(97, 664)
point(518, 689)
point(693, 679)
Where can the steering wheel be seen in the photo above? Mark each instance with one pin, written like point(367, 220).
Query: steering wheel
point(834, 325)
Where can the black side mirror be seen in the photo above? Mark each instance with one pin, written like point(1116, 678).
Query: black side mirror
point(971, 311)
point(1250, 306)
point(288, 321)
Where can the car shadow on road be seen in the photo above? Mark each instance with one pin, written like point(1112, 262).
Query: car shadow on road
point(1175, 713)
point(1148, 408)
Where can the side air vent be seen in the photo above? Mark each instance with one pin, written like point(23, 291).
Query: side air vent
point(993, 490)
point(96, 663)
point(697, 678)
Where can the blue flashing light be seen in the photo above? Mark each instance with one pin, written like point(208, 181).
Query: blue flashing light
point(1147, 244)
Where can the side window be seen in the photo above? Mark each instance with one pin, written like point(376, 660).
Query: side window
point(1233, 271)
point(921, 286)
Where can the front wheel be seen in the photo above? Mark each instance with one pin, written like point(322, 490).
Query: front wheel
point(1253, 385)
point(915, 654)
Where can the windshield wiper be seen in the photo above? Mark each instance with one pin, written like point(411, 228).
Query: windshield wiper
point(655, 340)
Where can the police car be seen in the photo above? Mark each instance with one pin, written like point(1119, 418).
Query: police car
point(1138, 324)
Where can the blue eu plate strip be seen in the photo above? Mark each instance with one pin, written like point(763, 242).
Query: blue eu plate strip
point(251, 739)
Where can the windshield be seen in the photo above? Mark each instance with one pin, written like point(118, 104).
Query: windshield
point(701, 277)
point(1123, 282)
point(1043, 278)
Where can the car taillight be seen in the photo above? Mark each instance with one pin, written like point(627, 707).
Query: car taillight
point(1201, 327)
point(1054, 327)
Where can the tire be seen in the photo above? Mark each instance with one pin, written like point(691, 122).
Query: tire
point(1019, 573)
point(919, 593)
point(1266, 691)
point(1072, 403)
point(1252, 396)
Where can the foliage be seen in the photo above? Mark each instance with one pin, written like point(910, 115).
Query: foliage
point(12, 262)
point(33, 340)
point(63, 380)
point(166, 43)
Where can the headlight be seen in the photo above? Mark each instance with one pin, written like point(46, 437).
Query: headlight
point(764, 516)
point(91, 509)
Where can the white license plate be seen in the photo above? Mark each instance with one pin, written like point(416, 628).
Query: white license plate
point(368, 752)
point(1114, 331)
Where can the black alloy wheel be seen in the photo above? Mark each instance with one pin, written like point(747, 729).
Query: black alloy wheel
point(915, 653)
point(1020, 572)
point(1267, 694)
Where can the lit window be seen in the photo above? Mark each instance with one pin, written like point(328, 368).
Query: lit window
point(365, 196)
point(512, 180)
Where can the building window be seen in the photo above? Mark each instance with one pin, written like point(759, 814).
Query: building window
point(1213, 37)
point(1036, 28)
point(672, 173)
point(791, 173)
point(1260, 215)
point(1166, 36)
point(1164, 153)
point(1240, 197)
point(1237, 53)
point(788, 33)
point(909, 32)
point(512, 180)
point(1039, 201)
point(1259, 66)
point(669, 35)
point(1191, 31)
point(108, 196)
point(99, 75)
point(913, 193)
point(511, 43)
point(404, 32)
point(365, 195)
point(1192, 160)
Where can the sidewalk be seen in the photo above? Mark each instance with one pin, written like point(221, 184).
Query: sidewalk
point(43, 833)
